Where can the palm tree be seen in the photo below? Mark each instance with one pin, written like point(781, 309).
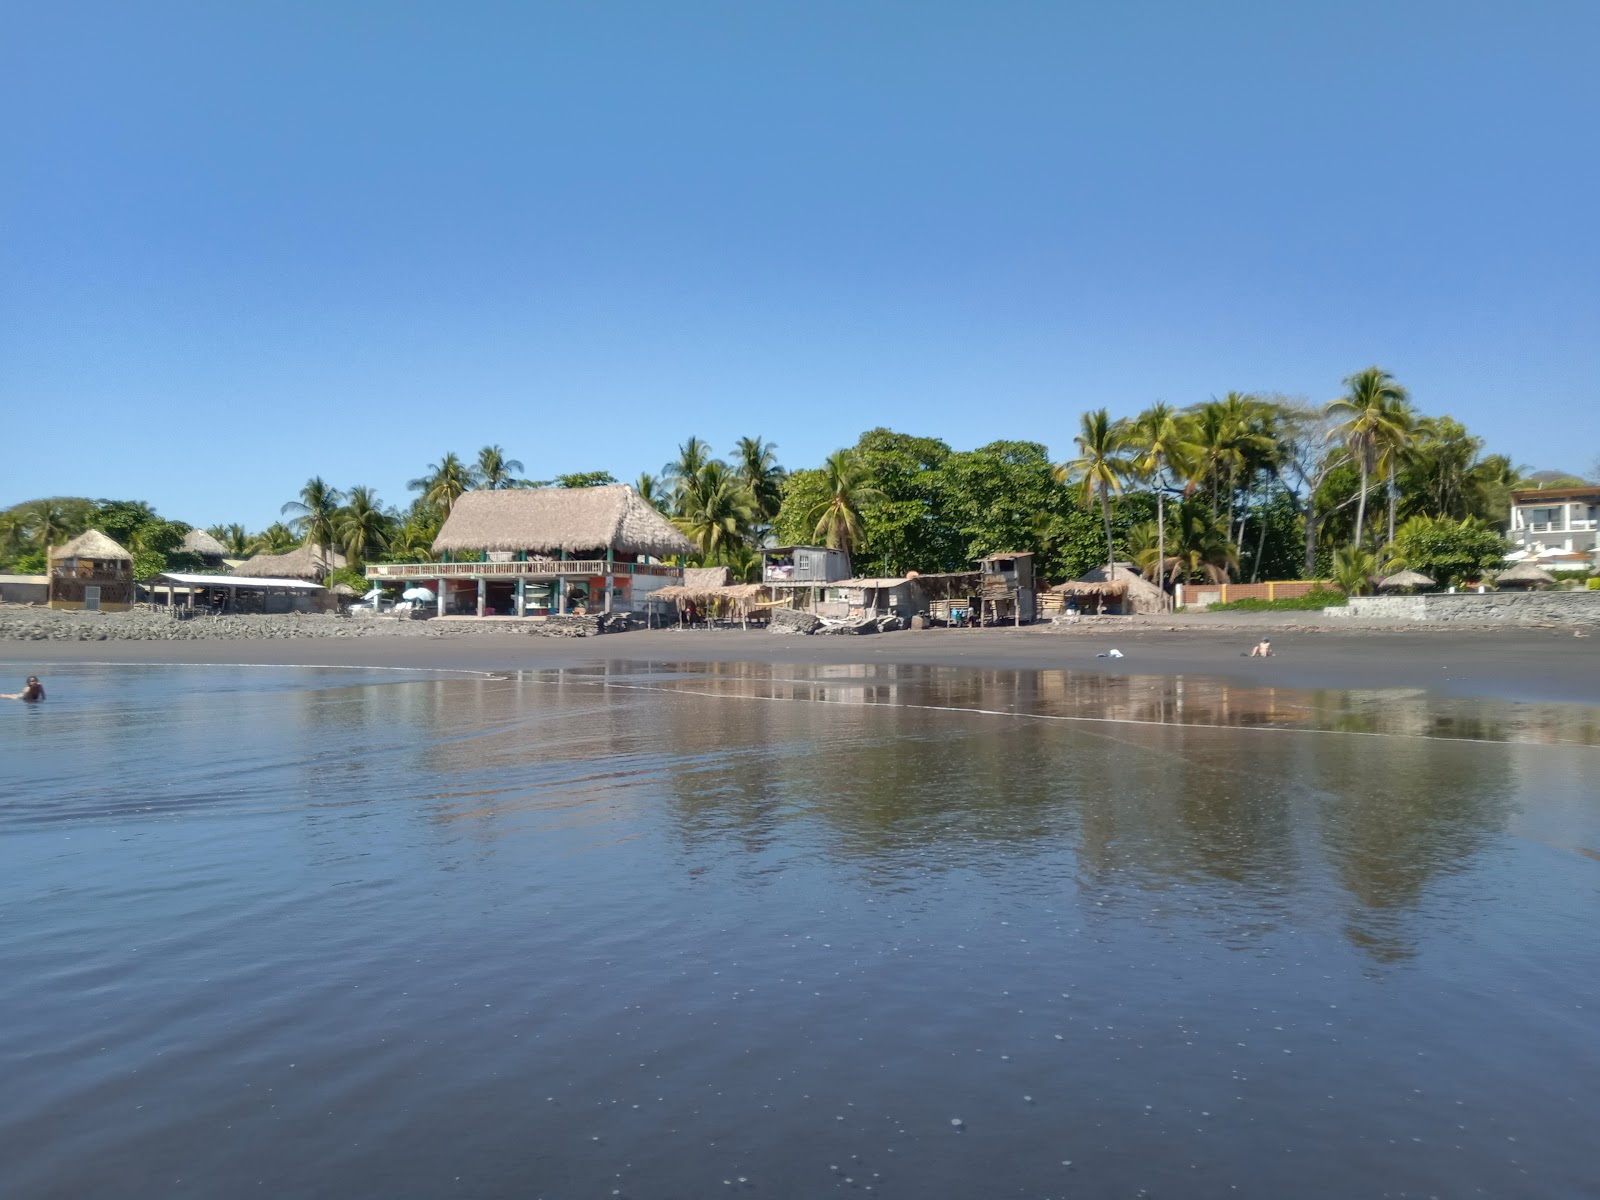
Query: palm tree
point(363, 526)
point(446, 480)
point(1100, 469)
point(716, 510)
point(1159, 436)
point(276, 538)
point(1199, 546)
point(1367, 413)
point(649, 489)
point(233, 538)
point(316, 515)
point(849, 489)
point(413, 540)
point(495, 472)
point(680, 474)
point(756, 462)
point(1353, 569)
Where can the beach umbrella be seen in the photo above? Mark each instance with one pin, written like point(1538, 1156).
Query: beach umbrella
point(416, 593)
point(1524, 573)
point(1405, 579)
point(375, 594)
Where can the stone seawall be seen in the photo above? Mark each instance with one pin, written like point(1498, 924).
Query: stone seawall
point(1471, 608)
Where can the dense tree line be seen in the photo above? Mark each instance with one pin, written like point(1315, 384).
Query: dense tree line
point(1245, 487)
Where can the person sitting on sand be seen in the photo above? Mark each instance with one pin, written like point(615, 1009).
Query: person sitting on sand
point(33, 690)
point(1262, 649)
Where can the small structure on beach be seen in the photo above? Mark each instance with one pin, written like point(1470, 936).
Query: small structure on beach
point(544, 551)
point(1117, 590)
point(950, 595)
point(24, 589)
point(200, 543)
point(901, 596)
point(1407, 580)
point(1008, 588)
point(91, 572)
point(1524, 575)
point(306, 563)
point(798, 576)
point(188, 592)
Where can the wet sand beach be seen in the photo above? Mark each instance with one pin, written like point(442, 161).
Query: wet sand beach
point(1521, 664)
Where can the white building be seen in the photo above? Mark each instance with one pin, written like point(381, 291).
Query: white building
point(1547, 523)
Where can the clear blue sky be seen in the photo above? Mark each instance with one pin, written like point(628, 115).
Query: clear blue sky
point(248, 243)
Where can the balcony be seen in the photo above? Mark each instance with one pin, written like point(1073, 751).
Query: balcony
point(1560, 526)
point(538, 568)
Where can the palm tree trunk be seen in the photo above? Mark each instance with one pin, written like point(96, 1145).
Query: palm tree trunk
point(1111, 550)
point(1311, 533)
point(1393, 497)
point(1261, 539)
point(1361, 504)
point(1161, 537)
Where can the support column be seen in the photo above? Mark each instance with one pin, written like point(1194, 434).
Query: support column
point(522, 596)
point(611, 557)
point(440, 599)
point(482, 588)
point(558, 595)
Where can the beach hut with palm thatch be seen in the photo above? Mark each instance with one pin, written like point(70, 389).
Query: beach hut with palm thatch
point(1524, 575)
point(542, 551)
point(1408, 581)
point(201, 544)
point(1117, 591)
point(309, 563)
point(91, 572)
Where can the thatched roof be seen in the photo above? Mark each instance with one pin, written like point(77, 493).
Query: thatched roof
point(1138, 594)
point(92, 544)
point(1406, 578)
point(198, 541)
point(1524, 572)
point(1077, 587)
point(546, 520)
point(738, 594)
point(700, 579)
point(304, 563)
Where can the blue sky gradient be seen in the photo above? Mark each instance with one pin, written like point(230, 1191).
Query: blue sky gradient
point(245, 244)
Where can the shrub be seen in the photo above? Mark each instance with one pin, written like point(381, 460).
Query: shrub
point(1314, 599)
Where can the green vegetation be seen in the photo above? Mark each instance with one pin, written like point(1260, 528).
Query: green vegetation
point(1317, 598)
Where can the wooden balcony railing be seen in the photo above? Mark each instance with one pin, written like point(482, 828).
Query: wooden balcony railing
point(546, 568)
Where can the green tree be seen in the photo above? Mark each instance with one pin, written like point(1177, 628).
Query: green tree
point(1446, 550)
point(650, 490)
point(444, 483)
point(233, 538)
point(1372, 416)
point(997, 495)
point(1100, 468)
point(362, 526)
point(585, 479)
point(316, 515)
point(1160, 439)
point(848, 487)
point(1353, 569)
point(716, 510)
point(121, 520)
point(756, 464)
point(276, 538)
point(912, 525)
point(680, 474)
point(494, 472)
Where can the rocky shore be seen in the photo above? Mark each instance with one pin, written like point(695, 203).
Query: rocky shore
point(31, 623)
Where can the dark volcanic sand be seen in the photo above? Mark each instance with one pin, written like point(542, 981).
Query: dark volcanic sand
point(1534, 665)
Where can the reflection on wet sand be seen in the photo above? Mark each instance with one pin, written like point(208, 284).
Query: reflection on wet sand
point(908, 770)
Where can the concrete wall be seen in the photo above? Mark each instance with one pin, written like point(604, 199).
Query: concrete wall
point(24, 589)
point(1470, 608)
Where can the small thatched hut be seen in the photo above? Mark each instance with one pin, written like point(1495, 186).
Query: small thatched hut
point(198, 541)
point(1404, 579)
point(1121, 590)
point(1524, 575)
point(306, 562)
point(91, 572)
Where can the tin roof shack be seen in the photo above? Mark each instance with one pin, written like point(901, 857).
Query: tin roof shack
point(24, 589)
point(184, 593)
point(868, 598)
point(798, 575)
point(91, 572)
point(950, 595)
point(1008, 589)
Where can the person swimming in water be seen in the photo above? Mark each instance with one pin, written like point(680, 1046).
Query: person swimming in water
point(33, 690)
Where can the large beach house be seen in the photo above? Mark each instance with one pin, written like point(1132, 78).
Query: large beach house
point(546, 550)
point(1554, 524)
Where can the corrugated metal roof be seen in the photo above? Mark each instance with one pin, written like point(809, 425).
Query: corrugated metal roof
point(255, 582)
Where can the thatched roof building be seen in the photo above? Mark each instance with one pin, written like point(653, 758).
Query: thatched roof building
point(306, 562)
point(1524, 574)
point(549, 520)
point(1404, 579)
point(92, 544)
point(198, 541)
point(1122, 587)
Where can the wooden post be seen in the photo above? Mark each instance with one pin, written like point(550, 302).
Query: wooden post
point(482, 588)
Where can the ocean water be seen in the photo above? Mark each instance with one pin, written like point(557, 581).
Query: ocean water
point(667, 930)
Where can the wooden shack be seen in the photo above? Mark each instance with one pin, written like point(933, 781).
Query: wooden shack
point(1008, 594)
point(91, 572)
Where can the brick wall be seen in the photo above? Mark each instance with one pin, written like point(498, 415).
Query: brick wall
point(1223, 593)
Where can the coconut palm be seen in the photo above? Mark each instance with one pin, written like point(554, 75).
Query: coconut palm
point(1368, 413)
point(1159, 438)
point(233, 537)
point(680, 474)
point(316, 515)
point(1100, 469)
point(444, 483)
point(649, 489)
point(756, 463)
point(495, 472)
point(413, 540)
point(363, 527)
point(1198, 546)
point(716, 510)
point(276, 538)
point(848, 489)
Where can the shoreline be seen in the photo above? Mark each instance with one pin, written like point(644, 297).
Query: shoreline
point(1521, 664)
